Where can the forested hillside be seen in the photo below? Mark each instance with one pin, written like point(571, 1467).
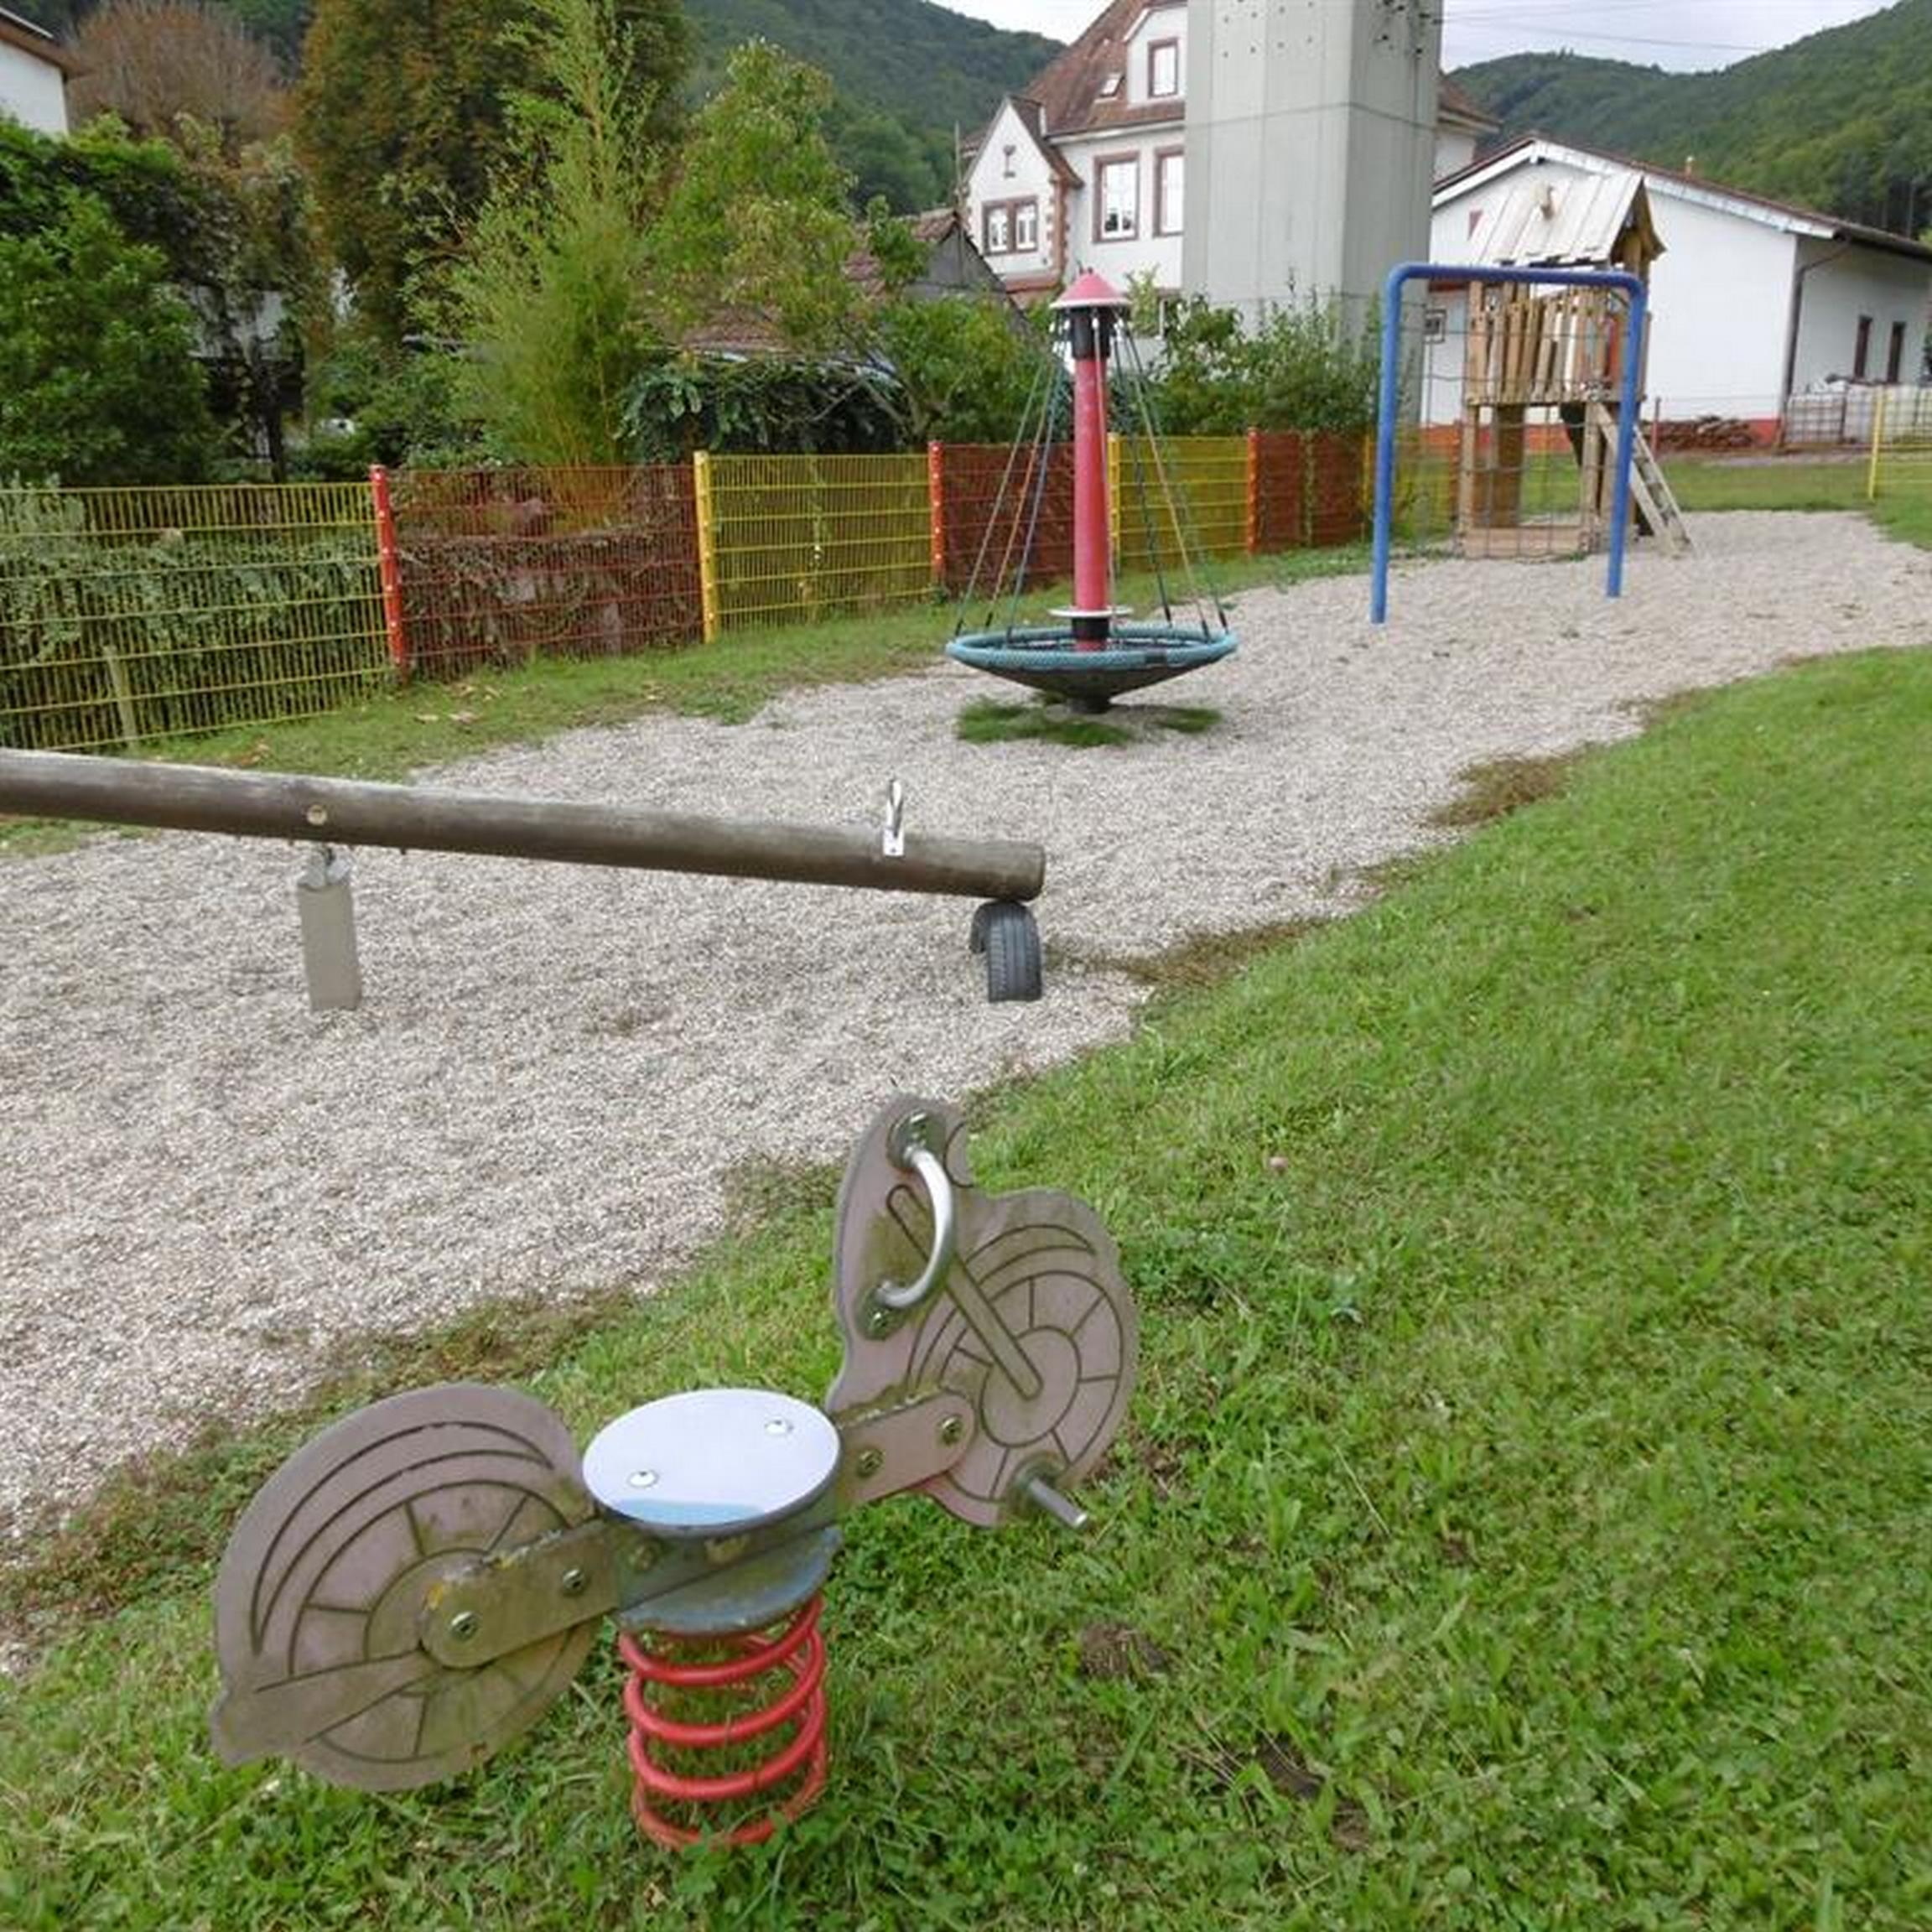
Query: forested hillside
point(928, 63)
point(1840, 121)
point(907, 72)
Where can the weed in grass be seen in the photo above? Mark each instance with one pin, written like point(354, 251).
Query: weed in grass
point(987, 721)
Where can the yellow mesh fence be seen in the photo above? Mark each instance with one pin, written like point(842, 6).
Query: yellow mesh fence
point(798, 538)
point(1901, 449)
point(1179, 496)
point(128, 616)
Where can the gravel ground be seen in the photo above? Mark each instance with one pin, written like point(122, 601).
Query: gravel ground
point(202, 1186)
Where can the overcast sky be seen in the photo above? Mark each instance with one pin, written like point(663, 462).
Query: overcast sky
point(1658, 32)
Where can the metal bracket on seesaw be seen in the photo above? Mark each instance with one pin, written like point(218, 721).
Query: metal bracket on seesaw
point(420, 1582)
point(327, 812)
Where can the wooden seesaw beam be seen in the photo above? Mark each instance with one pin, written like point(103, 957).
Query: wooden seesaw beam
point(332, 812)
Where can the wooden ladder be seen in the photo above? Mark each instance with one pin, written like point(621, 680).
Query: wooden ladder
point(1649, 490)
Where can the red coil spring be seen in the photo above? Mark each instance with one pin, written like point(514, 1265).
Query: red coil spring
point(797, 1650)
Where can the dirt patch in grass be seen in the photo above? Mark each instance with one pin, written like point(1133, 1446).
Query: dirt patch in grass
point(1500, 786)
point(1207, 959)
point(1112, 1651)
point(758, 1190)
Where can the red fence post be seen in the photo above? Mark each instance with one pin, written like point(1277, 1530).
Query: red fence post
point(389, 569)
point(936, 508)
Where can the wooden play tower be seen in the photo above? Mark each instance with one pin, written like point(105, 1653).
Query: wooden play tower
point(1542, 372)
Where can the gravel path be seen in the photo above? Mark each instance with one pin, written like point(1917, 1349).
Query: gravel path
point(202, 1185)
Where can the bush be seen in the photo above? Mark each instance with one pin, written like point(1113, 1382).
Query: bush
point(98, 381)
point(1303, 369)
point(966, 364)
point(761, 405)
point(372, 404)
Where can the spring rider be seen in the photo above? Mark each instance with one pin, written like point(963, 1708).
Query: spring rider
point(418, 1584)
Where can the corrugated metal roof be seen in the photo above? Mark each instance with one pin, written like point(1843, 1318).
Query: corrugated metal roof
point(1560, 222)
point(1528, 148)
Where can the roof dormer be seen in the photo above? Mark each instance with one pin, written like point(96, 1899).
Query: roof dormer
point(1155, 57)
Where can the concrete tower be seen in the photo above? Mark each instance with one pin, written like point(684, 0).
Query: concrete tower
point(1310, 147)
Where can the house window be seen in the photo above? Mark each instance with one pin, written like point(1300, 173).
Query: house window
point(1007, 166)
point(1163, 69)
point(1110, 86)
point(1861, 355)
point(1895, 352)
point(1168, 190)
point(1009, 227)
point(1117, 198)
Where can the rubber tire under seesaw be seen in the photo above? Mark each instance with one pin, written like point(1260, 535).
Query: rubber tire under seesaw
point(1008, 934)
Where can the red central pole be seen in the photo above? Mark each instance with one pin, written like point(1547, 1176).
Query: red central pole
point(1091, 307)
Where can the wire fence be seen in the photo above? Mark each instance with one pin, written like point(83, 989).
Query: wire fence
point(1840, 416)
point(498, 568)
point(1901, 442)
point(1189, 495)
point(999, 511)
point(794, 539)
point(131, 616)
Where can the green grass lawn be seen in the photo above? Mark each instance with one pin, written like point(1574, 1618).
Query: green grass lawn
point(1521, 1521)
point(1706, 483)
point(1903, 507)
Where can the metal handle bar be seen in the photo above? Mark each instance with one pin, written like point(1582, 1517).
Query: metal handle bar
point(909, 1150)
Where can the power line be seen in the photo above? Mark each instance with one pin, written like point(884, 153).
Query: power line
point(1567, 35)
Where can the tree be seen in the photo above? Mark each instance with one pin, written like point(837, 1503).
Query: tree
point(259, 292)
point(141, 185)
point(911, 167)
point(759, 220)
point(403, 121)
point(150, 62)
point(278, 24)
point(965, 366)
point(546, 299)
point(231, 229)
point(98, 383)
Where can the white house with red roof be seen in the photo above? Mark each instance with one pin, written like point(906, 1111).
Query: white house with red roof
point(1752, 301)
point(34, 70)
point(1088, 168)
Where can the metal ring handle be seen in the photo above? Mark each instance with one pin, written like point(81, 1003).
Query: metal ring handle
point(910, 1150)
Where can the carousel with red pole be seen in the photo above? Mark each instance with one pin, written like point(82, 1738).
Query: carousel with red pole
point(1094, 649)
